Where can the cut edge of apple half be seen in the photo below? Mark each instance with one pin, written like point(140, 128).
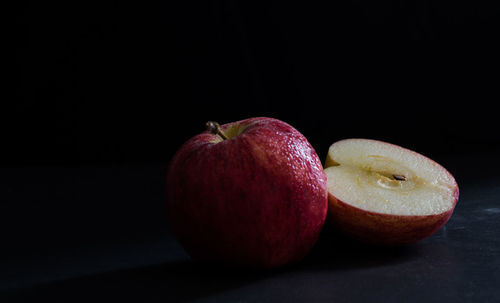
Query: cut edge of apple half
point(383, 193)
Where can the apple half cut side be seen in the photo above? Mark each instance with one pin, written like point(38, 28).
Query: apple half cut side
point(381, 193)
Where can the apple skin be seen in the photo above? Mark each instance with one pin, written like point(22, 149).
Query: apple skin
point(383, 229)
point(257, 200)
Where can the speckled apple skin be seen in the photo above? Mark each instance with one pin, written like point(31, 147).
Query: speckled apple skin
point(258, 200)
point(384, 229)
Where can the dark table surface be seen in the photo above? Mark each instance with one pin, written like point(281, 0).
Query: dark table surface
point(98, 233)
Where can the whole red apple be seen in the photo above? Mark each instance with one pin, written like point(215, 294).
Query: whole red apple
point(247, 194)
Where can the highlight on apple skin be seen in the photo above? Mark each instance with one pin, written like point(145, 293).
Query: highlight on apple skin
point(384, 194)
point(248, 194)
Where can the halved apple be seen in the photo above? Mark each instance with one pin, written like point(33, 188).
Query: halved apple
point(382, 193)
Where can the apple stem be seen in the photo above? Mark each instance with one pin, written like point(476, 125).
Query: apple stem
point(215, 129)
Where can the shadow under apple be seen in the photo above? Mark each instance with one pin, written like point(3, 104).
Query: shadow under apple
point(186, 280)
point(177, 281)
point(334, 251)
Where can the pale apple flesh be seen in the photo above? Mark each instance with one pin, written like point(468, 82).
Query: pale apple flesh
point(385, 194)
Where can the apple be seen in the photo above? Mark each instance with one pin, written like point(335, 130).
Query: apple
point(385, 194)
point(247, 194)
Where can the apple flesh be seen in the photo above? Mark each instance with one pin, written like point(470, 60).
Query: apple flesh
point(385, 194)
point(247, 194)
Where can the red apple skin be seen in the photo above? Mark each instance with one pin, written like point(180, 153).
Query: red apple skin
point(258, 200)
point(384, 229)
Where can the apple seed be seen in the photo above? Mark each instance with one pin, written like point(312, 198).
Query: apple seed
point(399, 177)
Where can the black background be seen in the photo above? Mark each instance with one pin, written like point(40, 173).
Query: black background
point(127, 82)
point(106, 92)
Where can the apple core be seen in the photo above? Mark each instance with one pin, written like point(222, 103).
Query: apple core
point(387, 178)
